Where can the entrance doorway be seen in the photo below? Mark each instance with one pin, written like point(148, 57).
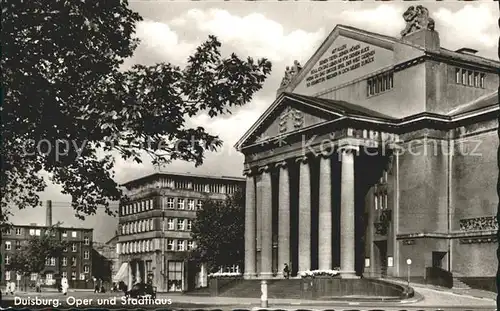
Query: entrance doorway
point(437, 259)
point(175, 276)
point(382, 257)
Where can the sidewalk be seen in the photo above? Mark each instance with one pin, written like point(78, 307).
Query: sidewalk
point(475, 293)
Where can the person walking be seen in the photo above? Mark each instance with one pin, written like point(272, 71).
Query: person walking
point(64, 286)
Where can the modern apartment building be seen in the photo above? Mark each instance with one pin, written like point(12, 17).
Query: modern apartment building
point(154, 227)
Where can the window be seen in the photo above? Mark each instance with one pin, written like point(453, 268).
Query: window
point(189, 224)
point(65, 233)
point(82, 276)
point(7, 260)
point(65, 274)
point(65, 249)
point(8, 231)
point(199, 204)
point(73, 234)
point(150, 204)
point(180, 245)
point(170, 203)
point(86, 240)
point(73, 275)
point(190, 245)
point(50, 261)
point(191, 206)
point(123, 210)
point(143, 225)
point(151, 225)
point(170, 245)
point(147, 246)
point(73, 247)
point(86, 269)
point(458, 76)
point(464, 77)
point(180, 203)
point(180, 224)
point(470, 76)
point(380, 83)
point(38, 232)
point(64, 261)
point(19, 231)
point(481, 81)
point(32, 231)
point(8, 246)
point(171, 225)
point(18, 244)
point(73, 261)
point(123, 229)
point(33, 276)
point(48, 276)
point(7, 275)
point(86, 255)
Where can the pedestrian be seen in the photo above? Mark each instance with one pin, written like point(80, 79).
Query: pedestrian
point(12, 288)
point(64, 286)
point(286, 271)
point(7, 288)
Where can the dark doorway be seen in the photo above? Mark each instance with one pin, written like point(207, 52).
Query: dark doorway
point(382, 256)
point(437, 259)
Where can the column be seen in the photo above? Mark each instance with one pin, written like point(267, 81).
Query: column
point(283, 218)
point(347, 252)
point(138, 272)
point(304, 215)
point(325, 254)
point(145, 272)
point(130, 280)
point(267, 224)
point(250, 235)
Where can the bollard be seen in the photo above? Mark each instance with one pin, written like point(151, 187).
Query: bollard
point(263, 296)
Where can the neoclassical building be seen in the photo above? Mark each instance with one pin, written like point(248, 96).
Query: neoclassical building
point(377, 150)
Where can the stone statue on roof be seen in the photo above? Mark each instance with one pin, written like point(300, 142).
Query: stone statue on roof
point(417, 18)
point(290, 72)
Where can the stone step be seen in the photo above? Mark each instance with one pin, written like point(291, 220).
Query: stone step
point(459, 284)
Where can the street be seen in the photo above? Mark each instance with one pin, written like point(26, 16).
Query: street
point(54, 300)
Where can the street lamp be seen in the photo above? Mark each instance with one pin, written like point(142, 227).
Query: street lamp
point(408, 262)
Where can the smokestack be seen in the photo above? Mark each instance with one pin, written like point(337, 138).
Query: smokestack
point(48, 221)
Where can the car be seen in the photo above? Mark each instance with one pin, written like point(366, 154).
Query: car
point(142, 290)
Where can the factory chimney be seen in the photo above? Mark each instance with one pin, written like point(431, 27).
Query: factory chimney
point(48, 221)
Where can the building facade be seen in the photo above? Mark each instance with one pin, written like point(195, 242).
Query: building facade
point(377, 150)
point(75, 263)
point(105, 261)
point(154, 228)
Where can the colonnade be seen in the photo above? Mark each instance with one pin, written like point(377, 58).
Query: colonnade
point(325, 251)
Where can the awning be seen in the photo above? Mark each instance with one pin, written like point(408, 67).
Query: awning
point(122, 274)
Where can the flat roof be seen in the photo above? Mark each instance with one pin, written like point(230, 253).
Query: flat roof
point(182, 175)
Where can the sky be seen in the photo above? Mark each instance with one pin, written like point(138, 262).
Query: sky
point(279, 31)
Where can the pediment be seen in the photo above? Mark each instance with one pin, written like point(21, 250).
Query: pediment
point(346, 55)
point(287, 116)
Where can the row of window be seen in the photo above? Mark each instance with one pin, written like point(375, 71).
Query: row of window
point(380, 83)
point(137, 207)
point(51, 261)
point(381, 201)
point(147, 246)
point(74, 247)
point(137, 247)
point(182, 224)
point(190, 185)
point(168, 202)
point(38, 232)
point(180, 245)
point(469, 77)
point(137, 226)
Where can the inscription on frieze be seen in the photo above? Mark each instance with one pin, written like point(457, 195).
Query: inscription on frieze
point(341, 60)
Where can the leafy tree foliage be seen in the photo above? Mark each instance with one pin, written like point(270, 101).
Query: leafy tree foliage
point(219, 230)
point(68, 106)
point(31, 257)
